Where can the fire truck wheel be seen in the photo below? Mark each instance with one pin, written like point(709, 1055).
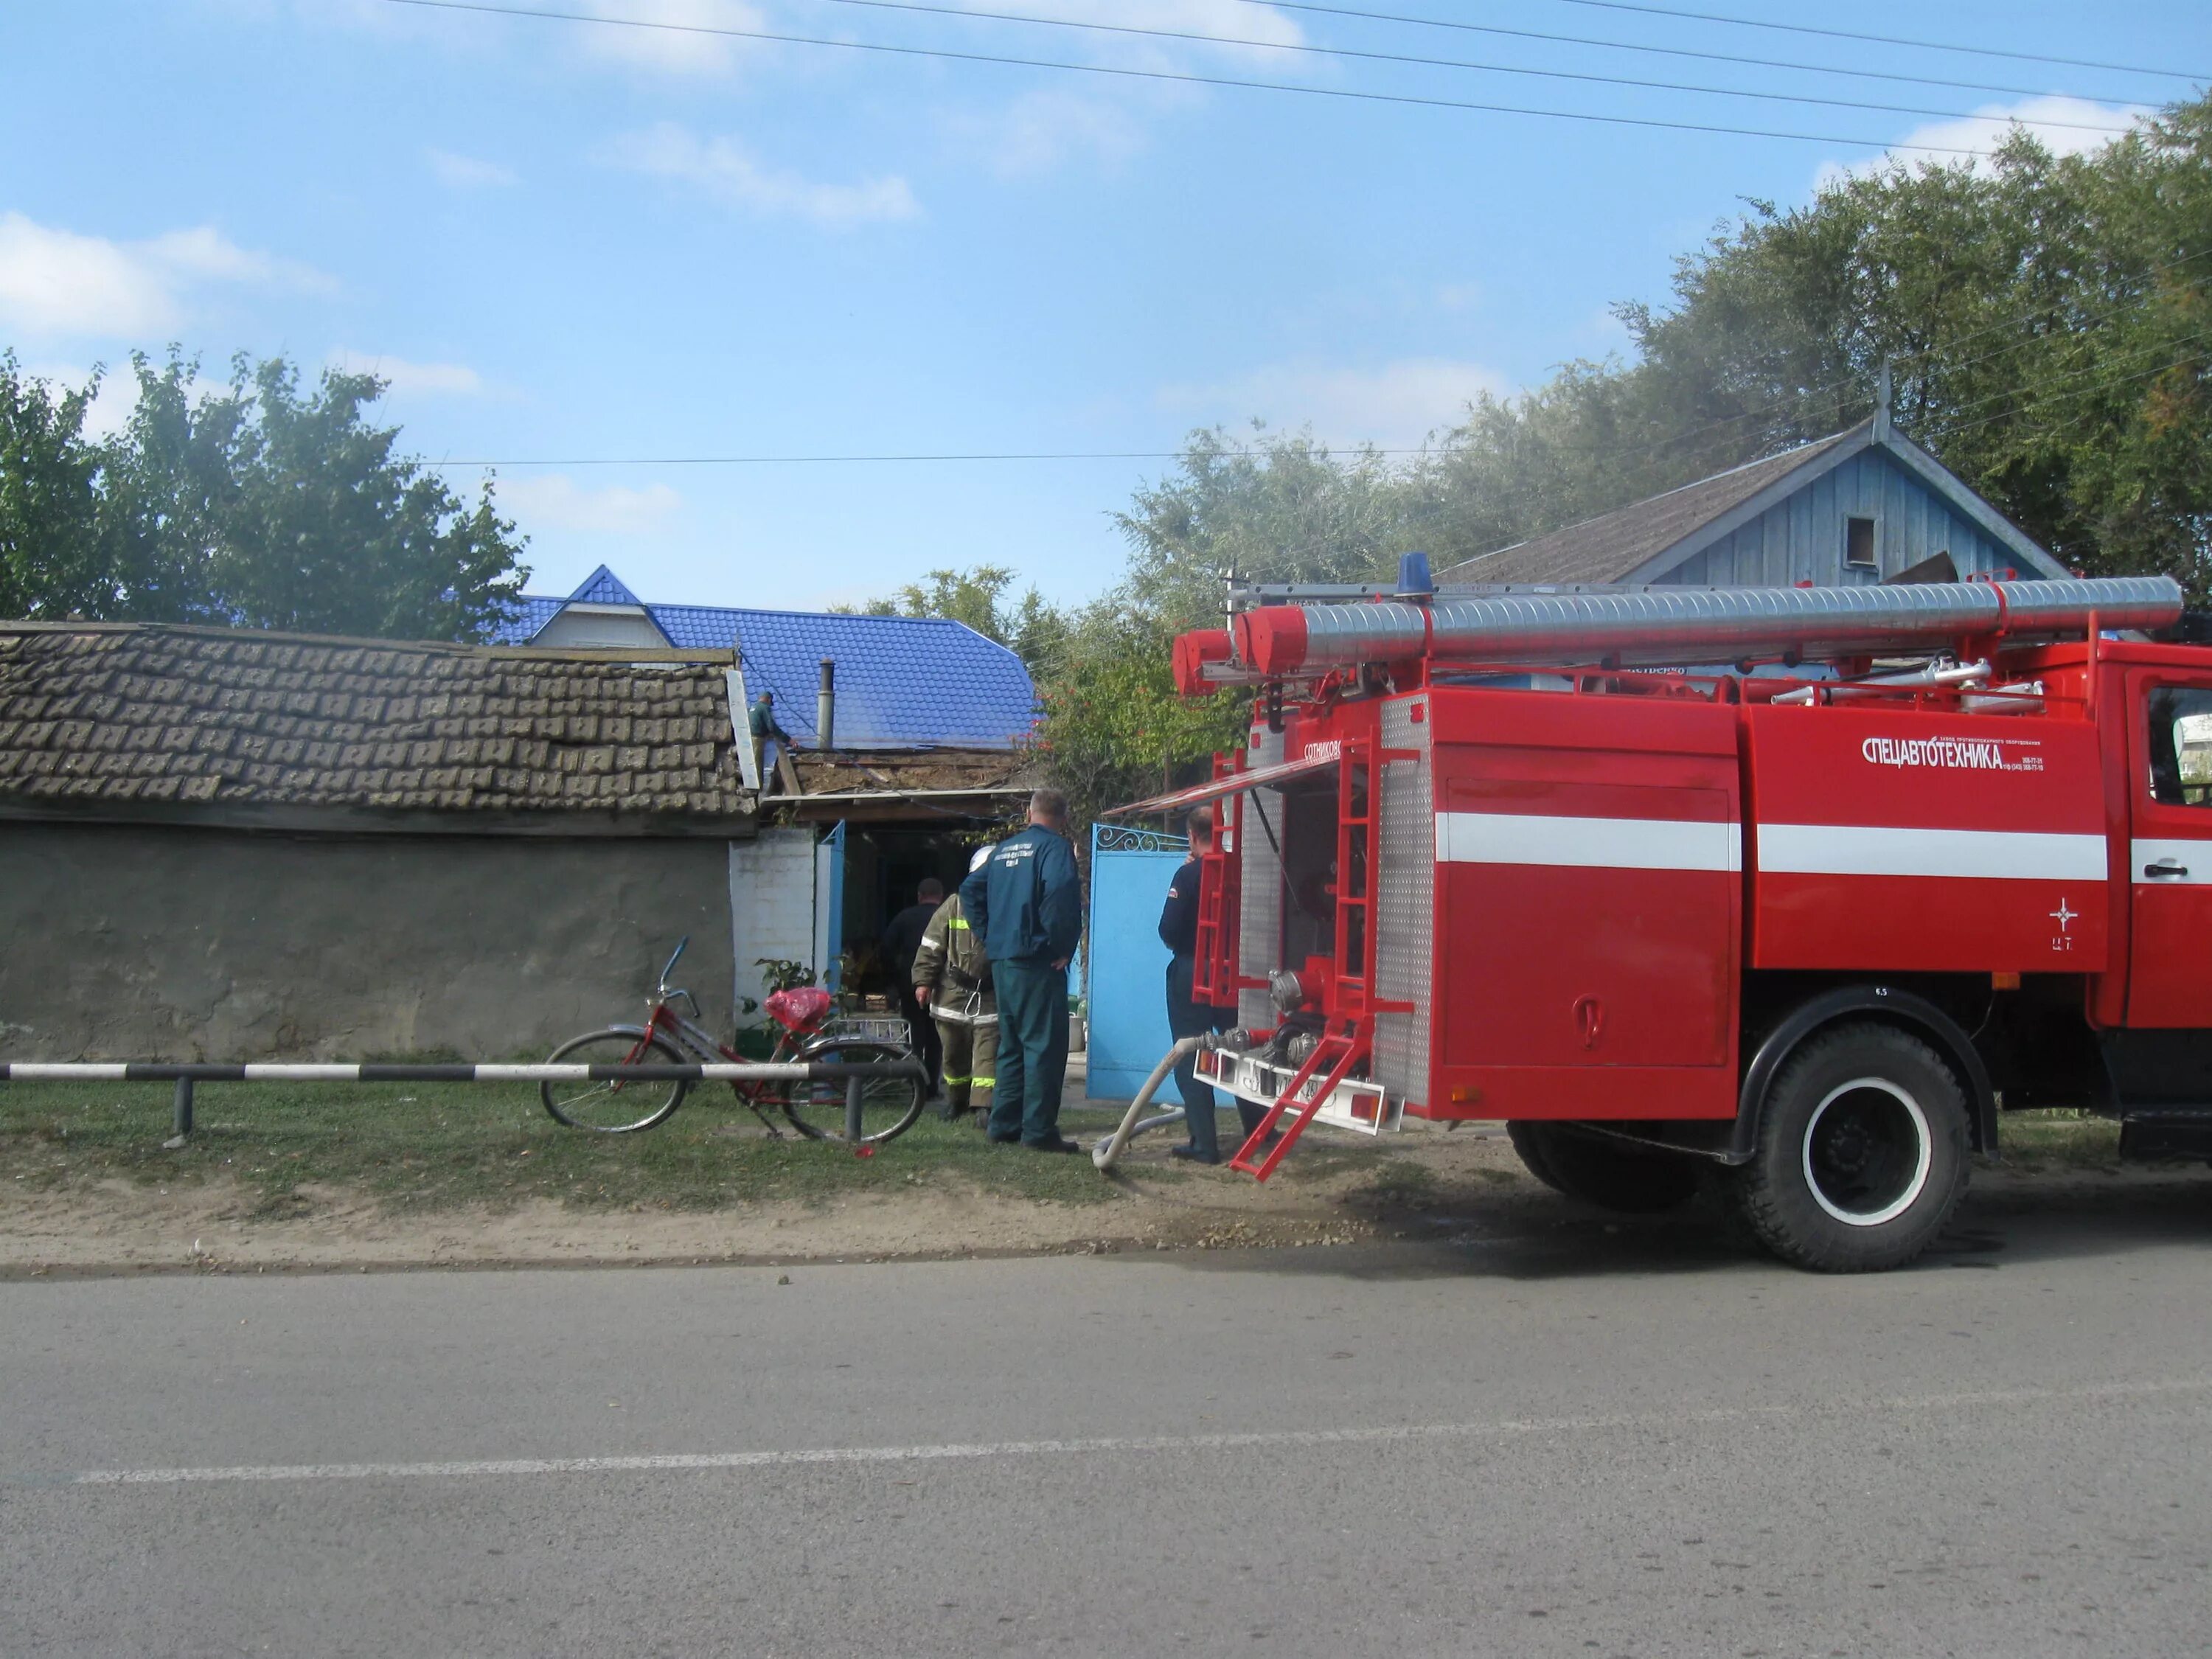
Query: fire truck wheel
point(1608, 1174)
point(1862, 1152)
point(1527, 1139)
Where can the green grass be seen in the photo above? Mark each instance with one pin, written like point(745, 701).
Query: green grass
point(2059, 1140)
point(433, 1146)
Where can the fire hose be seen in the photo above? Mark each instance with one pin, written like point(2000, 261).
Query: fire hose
point(1107, 1152)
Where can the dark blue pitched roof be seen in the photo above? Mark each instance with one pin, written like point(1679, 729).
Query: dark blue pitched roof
point(603, 586)
point(902, 683)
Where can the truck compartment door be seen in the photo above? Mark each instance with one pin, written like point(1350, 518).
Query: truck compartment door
point(2170, 851)
point(1590, 903)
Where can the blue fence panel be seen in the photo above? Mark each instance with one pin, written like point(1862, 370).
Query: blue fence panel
point(1130, 870)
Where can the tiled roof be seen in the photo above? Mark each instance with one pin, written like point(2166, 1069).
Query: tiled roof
point(1607, 549)
point(902, 683)
point(99, 715)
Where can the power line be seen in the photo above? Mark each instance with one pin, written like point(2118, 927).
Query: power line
point(1344, 92)
point(853, 460)
point(1949, 430)
point(1441, 63)
point(1884, 40)
point(1799, 396)
point(1357, 448)
point(1322, 9)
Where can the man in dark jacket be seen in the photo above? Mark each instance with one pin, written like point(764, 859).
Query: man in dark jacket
point(1026, 903)
point(902, 939)
point(1187, 1016)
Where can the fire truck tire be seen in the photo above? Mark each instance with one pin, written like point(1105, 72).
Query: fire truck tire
point(1601, 1172)
point(1862, 1154)
point(1527, 1139)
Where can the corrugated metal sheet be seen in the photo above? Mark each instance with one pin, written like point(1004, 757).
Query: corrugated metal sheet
point(901, 683)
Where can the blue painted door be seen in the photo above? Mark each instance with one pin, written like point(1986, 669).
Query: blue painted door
point(828, 908)
point(1130, 870)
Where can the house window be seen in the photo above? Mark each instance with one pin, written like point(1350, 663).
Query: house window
point(1858, 544)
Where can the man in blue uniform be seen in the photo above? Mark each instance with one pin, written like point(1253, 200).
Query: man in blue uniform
point(1026, 905)
point(1186, 1016)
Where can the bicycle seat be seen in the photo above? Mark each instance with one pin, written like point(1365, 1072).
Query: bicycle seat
point(800, 1010)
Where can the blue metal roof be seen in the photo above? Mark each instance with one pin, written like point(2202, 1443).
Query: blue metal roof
point(902, 683)
point(603, 586)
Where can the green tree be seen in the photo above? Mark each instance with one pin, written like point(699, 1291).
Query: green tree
point(1279, 508)
point(976, 596)
point(254, 505)
point(55, 557)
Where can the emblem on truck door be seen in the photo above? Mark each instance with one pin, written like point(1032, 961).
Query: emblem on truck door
point(2064, 915)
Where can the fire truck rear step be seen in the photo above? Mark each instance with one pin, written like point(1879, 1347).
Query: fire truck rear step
point(1343, 1045)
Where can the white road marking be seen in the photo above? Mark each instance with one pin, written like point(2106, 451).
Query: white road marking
point(1134, 1444)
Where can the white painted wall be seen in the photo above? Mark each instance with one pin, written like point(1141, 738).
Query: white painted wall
point(603, 626)
point(771, 901)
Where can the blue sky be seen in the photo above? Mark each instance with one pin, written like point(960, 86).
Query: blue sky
point(571, 242)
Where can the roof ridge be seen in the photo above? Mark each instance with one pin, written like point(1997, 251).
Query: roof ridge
point(1801, 453)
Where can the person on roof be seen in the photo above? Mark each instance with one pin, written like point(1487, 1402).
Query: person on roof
point(1026, 901)
point(953, 980)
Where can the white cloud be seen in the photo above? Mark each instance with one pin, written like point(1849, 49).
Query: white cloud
point(1045, 127)
point(674, 50)
point(554, 501)
point(1396, 405)
point(412, 379)
point(1221, 20)
point(55, 281)
point(725, 169)
point(2064, 127)
point(468, 172)
point(58, 282)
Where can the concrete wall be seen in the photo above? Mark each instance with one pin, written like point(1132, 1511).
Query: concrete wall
point(771, 901)
point(126, 942)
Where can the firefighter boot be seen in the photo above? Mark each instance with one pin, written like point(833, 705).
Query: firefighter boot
point(957, 1041)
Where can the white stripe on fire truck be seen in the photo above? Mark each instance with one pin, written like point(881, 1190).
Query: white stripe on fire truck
point(1588, 844)
point(1853, 849)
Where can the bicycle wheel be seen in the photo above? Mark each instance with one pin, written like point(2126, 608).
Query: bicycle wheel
point(614, 1109)
point(890, 1103)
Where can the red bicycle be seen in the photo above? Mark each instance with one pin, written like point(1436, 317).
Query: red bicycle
point(891, 1102)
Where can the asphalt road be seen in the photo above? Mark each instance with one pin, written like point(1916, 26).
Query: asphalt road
point(1578, 1440)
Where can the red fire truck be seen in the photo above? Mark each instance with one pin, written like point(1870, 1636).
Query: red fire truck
point(1803, 918)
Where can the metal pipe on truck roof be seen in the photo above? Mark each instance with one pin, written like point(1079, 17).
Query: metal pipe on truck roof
point(1663, 627)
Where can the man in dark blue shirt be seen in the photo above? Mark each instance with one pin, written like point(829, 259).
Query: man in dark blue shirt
point(1026, 905)
point(1187, 1017)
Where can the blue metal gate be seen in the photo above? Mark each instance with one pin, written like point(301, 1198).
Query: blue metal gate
point(1126, 989)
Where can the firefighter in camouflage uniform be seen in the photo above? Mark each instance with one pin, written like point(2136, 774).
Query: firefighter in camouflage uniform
point(953, 980)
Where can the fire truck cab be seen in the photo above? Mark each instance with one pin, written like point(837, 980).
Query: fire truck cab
point(1801, 924)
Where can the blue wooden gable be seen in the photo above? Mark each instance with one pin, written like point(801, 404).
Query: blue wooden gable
point(1806, 537)
point(1858, 507)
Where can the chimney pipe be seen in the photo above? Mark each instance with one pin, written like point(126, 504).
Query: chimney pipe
point(825, 706)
